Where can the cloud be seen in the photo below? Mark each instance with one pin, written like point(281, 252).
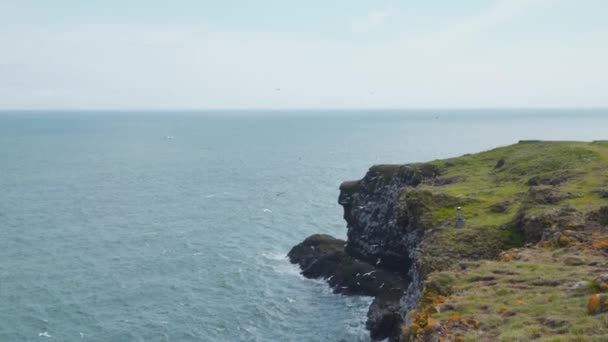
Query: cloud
point(372, 21)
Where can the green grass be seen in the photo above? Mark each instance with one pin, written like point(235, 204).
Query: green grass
point(540, 190)
point(477, 185)
point(528, 299)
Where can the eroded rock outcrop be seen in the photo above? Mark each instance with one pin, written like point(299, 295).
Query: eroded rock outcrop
point(378, 259)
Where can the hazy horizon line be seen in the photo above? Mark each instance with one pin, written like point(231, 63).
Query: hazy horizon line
point(294, 109)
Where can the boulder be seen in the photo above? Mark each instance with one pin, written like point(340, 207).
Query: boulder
point(323, 256)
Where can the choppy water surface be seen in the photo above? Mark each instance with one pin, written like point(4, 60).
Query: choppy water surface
point(174, 226)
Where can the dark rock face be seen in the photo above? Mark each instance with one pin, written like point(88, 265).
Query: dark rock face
point(375, 232)
point(323, 256)
point(384, 318)
point(379, 257)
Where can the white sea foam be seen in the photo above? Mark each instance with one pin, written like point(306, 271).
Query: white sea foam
point(287, 268)
point(44, 334)
point(277, 256)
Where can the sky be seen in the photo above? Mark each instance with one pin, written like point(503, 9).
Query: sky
point(313, 54)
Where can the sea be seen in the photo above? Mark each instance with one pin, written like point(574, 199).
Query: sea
point(174, 225)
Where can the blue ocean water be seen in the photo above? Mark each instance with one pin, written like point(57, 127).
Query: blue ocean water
point(173, 226)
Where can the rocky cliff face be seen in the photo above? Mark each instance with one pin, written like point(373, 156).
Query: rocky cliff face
point(379, 257)
point(381, 232)
point(377, 232)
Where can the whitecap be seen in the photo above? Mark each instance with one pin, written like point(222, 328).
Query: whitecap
point(277, 256)
point(44, 334)
point(266, 210)
point(289, 269)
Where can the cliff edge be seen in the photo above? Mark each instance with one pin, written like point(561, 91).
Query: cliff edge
point(527, 261)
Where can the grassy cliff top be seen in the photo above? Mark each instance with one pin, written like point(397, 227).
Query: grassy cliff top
point(509, 196)
point(499, 179)
point(531, 262)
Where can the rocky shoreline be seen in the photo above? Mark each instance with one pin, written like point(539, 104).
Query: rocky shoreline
point(377, 260)
point(402, 232)
point(322, 256)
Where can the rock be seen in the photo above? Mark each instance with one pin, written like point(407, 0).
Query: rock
point(603, 215)
point(500, 163)
point(555, 178)
point(383, 318)
point(601, 282)
point(567, 238)
point(372, 219)
point(551, 323)
point(509, 255)
point(499, 207)
point(602, 278)
point(323, 256)
point(573, 261)
point(543, 225)
point(545, 194)
point(598, 303)
point(580, 285)
point(602, 192)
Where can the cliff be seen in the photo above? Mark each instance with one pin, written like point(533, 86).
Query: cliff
point(529, 263)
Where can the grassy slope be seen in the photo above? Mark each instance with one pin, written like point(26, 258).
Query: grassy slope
point(524, 161)
point(583, 167)
point(532, 298)
point(524, 299)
